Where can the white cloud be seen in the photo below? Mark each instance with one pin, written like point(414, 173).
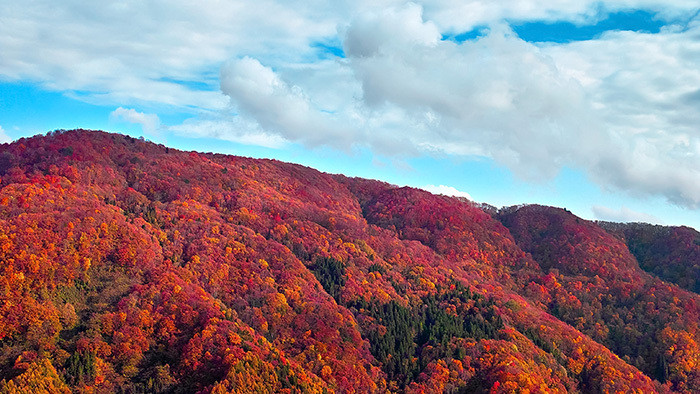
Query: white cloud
point(412, 93)
point(470, 98)
point(461, 15)
point(150, 123)
point(233, 129)
point(117, 48)
point(446, 190)
point(97, 47)
point(371, 32)
point(644, 87)
point(4, 138)
point(623, 214)
point(281, 108)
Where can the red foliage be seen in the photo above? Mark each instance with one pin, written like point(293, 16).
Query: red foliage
point(129, 266)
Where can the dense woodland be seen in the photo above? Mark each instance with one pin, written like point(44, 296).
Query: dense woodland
point(671, 253)
point(130, 267)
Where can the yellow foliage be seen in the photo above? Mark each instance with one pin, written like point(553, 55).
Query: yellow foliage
point(41, 377)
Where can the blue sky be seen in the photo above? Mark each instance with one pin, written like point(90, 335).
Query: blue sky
point(589, 105)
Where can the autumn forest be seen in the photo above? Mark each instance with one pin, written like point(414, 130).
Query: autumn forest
point(130, 267)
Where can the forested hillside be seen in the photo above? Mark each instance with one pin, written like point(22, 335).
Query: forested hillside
point(127, 266)
point(671, 253)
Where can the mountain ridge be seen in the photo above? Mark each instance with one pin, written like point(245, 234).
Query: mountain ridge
point(131, 266)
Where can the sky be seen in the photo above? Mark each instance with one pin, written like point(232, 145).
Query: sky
point(589, 105)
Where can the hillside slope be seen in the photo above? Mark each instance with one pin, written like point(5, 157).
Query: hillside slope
point(671, 253)
point(129, 266)
point(600, 289)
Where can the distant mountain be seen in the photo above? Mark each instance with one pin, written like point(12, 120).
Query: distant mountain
point(128, 266)
point(671, 253)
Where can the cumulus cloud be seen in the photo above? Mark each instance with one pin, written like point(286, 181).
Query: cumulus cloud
point(644, 87)
point(282, 108)
point(497, 96)
point(150, 123)
point(447, 191)
point(623, 214)
point(4, 138)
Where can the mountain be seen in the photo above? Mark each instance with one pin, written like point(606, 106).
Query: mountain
point(671, 253)
point(132, 267)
